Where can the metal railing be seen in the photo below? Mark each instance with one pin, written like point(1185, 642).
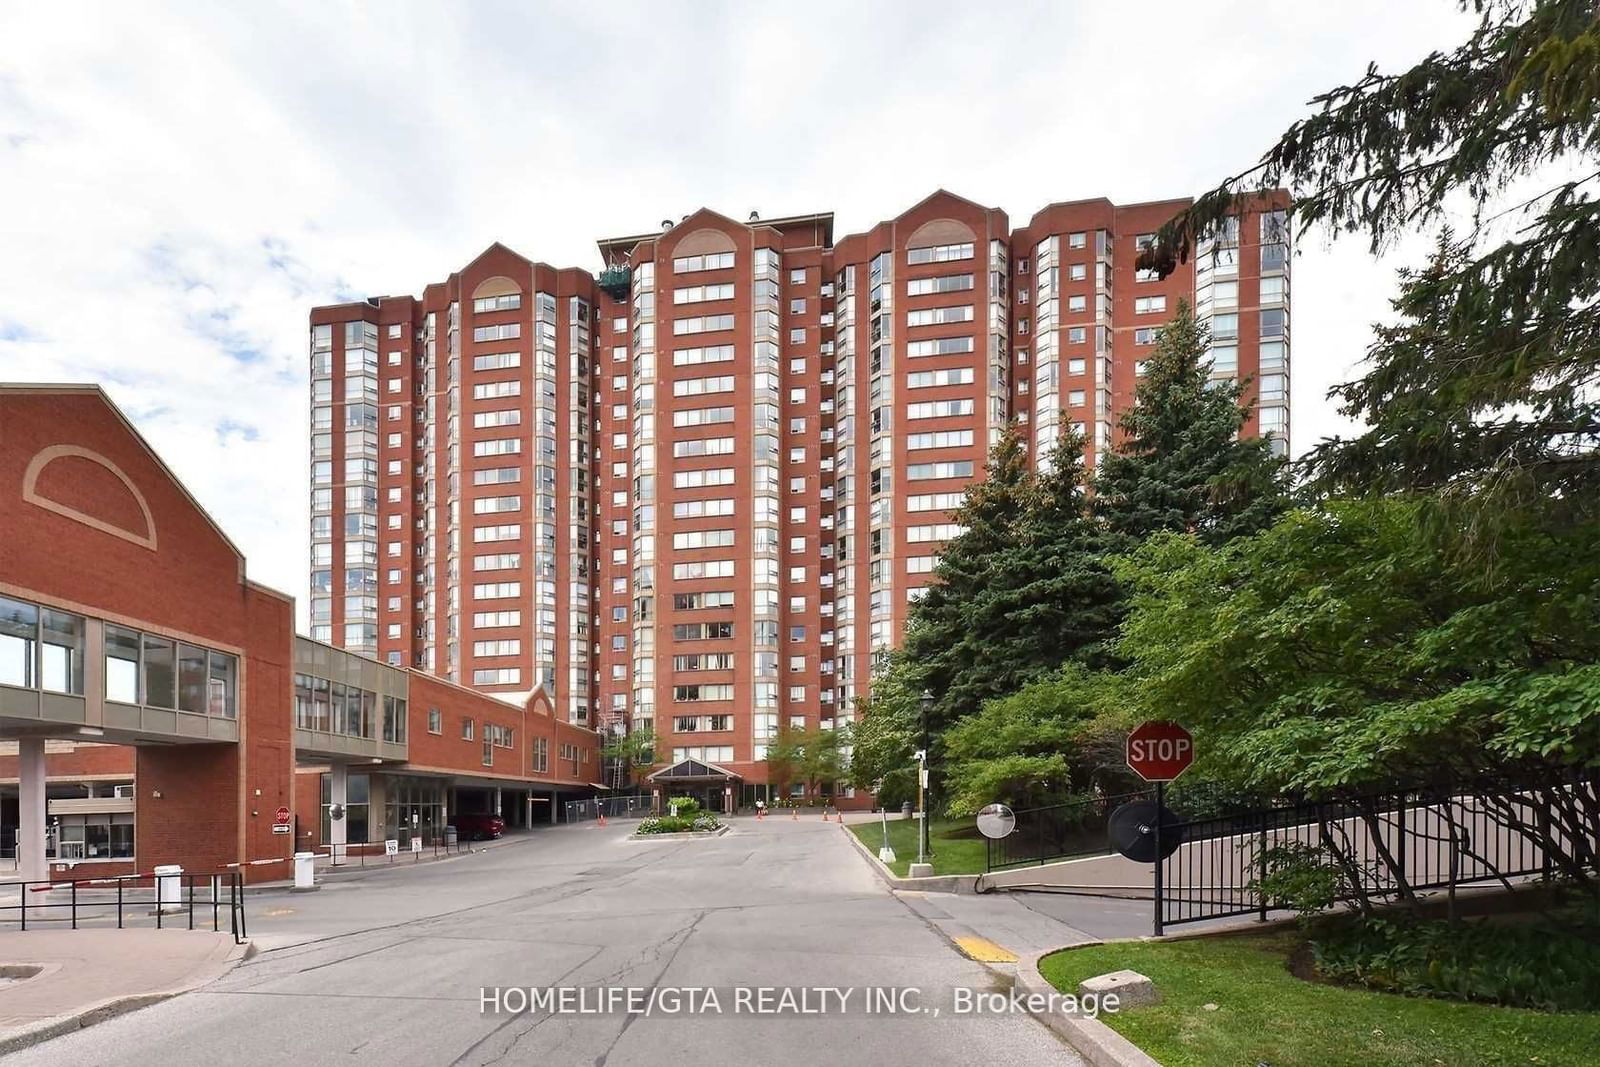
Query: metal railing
point(1383, 846)
point(1056, 832)
point(435, 847)
point(627, 806)
point(168, 899)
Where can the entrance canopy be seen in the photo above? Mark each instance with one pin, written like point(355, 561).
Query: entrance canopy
point(691, 771)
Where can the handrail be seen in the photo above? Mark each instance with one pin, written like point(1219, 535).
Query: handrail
point(211, 886)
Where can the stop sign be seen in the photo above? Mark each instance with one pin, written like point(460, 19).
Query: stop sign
point(281, 816)
point(1159, 751)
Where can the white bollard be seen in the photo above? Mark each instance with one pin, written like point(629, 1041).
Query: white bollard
point(169, 887)
point(305, 870)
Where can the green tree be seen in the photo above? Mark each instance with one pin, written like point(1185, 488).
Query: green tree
point(1485, 396)
point(1339, 653)
point(1056, 737)
point(886, 734)
point(636, 750)
point(1180, 464)
point(811, 757)
point(1023, 591)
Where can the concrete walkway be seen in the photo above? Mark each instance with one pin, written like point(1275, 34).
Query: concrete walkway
point(84, 976)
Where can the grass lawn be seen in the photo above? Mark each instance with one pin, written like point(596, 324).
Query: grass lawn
point(957, 846)
point(1265, 1015)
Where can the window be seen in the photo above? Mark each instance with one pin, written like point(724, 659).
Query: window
point(702, 631)
point(689, 357)
point(702, 324)
point(698, 293)
point(690, 264)
point(937, 316)
point(702, 539)
point(939, 409)
point(710, 568)
point(696, 479)
point(935, 503)
point(695, 601)
point(1273, 322)
point(925, 379)
point(939, 253)
point(949, 283)
point(496, 590)
point(1149, 305)
point(507, 302)
point(505, 331)
point(467, 729)
point(941, 532)
point(500, 446)
point(702, 416)
point(1077, 366)
point(1075, 398)
point(917, 472)
point(488, 534)
point(699, 386)
point(497, 676)
point(943, 346)
point(485, 419)
point(704, 446)
point(939, 439)
point(1144, 335)
point(696, 509)
point(497, 361)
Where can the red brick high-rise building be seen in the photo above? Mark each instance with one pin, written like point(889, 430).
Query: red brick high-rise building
point(699, 491)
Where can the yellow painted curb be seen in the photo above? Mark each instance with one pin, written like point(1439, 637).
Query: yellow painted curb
point(985, 951)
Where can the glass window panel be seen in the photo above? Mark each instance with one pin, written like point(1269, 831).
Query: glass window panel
point(122, 665)
point(19, 636)
point(191, 679)
point(158, 690)
point(61, 642)
point(223, 685)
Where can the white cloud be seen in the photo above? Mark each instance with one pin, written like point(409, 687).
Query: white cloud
point(182, 184)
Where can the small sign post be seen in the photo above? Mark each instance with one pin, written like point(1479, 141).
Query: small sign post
point(1159, 752)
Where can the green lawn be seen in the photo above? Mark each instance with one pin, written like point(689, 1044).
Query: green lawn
point(957, 846)
point(1265, 1015)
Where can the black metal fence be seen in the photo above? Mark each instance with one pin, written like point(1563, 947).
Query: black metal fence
point(1056, 832)
point(1382, 846)
point(414, 850)
point(121, 901)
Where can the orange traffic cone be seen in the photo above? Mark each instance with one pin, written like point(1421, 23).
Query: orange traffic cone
point(602, 818)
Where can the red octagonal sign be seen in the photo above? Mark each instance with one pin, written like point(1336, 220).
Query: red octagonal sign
point(1159, 751)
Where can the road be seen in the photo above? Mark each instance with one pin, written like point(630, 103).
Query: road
point(390, 968)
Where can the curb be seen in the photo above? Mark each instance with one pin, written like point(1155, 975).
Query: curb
point(966, 884)
point(1097, 1043)
point(58, 1025)
point(687, 835)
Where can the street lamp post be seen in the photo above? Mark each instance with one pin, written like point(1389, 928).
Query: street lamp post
point(923, 841)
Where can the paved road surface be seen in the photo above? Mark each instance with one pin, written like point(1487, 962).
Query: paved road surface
point(389, 969)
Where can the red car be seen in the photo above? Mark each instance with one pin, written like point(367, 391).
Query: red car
point(477, 826)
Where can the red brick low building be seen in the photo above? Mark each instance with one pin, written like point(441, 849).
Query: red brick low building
point(149, 706)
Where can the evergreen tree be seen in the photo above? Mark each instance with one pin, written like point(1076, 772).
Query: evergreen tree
point(1023, 591)
point(1485, 399)
point(1181, 465)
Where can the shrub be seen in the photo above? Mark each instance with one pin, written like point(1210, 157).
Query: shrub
point(676, 824)
point(684, 807)
point(1299, 876)
point(1531, 965)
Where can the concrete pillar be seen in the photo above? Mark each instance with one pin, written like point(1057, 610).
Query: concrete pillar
point(497, 809)
point(555, 802)
point(30, 809)
point(338, 781)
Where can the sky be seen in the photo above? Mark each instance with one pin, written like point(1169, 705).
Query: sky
point(180, 184)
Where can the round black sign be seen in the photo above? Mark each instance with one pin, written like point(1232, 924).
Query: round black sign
point(1132, 830)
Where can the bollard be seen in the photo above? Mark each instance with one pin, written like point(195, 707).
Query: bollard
point(169, 887)
point(305, 871)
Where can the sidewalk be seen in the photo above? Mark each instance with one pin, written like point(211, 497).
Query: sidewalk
point(86, 976)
